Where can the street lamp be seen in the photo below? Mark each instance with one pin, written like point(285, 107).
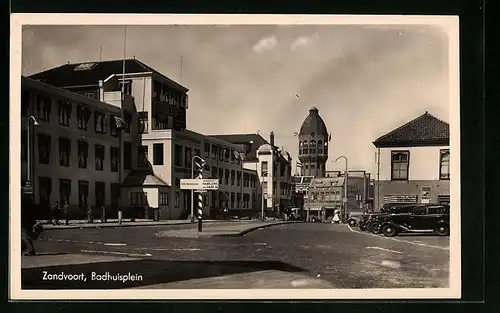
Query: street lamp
point(345, 185)
point(28, 189)
point(192, 177)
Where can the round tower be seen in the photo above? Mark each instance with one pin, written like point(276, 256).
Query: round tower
point(313, 145)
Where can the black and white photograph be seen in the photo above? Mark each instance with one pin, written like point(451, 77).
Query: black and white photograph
point(237, 156)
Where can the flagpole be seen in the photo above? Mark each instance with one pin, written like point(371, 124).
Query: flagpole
point(124, 58)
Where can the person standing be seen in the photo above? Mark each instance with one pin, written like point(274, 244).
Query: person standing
point(28, 222)
point(55, 213)
point(66, 212)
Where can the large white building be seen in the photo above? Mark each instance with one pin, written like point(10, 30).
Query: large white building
point(413, 163)
point(156, 147)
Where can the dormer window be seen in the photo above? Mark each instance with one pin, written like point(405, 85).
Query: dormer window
point(85, 66)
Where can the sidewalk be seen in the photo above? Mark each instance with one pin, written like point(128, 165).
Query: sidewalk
point(114, 223)
point(235, 229)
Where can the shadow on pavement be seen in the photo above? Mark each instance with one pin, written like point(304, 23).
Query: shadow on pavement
point(152, 272)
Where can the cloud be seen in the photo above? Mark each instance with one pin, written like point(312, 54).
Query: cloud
point(265, 44)
point(300, 42)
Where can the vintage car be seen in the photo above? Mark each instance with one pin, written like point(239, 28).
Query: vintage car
point(421, 218)
point(389, 209)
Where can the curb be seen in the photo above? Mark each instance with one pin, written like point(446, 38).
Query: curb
point(127, 224)
point(249, 230)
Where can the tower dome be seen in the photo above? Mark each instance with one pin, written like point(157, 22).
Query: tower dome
point(313, 124)
point(313, 145)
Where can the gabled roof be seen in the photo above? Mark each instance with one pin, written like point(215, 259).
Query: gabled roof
point(425, 130)
point(143, 178)
point(68, 75)
point(245, 139)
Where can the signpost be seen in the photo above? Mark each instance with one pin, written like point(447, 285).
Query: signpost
point(199, 185)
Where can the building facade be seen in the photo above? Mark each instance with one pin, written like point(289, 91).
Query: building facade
point(413, 163)
point(156, 140)
point(313, 145)
point(75, 147)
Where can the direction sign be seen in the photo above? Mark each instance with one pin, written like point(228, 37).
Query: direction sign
point(200, 184)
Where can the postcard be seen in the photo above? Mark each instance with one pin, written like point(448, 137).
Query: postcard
point(234, 157)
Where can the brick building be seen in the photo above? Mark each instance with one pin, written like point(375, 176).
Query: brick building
point(413, 163)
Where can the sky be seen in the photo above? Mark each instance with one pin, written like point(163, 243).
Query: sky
point(365, 80)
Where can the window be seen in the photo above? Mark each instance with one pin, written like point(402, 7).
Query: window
point(142, 122)
point(232, 177)
point(206, 201)
point(64, 151)
point(214, 152)
point(64, 191)
point(127, 155)
point(188, 155)
point(43, 107)
point(221, 175)
point(115, 195)
point(99, 157)
point(227, 152)
point(264, 169)
point(83, 116)
point(399, 165)
point(138, 198)
point(44, 147)
point(320, 147)
point(91, 95)
point(127, 116)
point(177, 199)
point(127, 89)
point(444, 160)
point(177, 155)
point(143, 156)
point(114, 158)
point(157, 154)
point(312, 146)
point(206, 152)
point(113, 127)
point(83, 194)
point(221, 154)
point(44, 190)
point(163, 198)
point(419, 211)
point(100, 123)
point(100, 194)
point(226, 177)
point(25, 104)
point(64, 113)
point(238, 178)
point(83, 153)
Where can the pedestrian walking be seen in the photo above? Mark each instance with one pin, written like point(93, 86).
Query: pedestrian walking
point(66, 212)
point(90, 219)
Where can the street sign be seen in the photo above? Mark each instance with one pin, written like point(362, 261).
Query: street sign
point(28, 188)
point(199, 184)
point(344, 199)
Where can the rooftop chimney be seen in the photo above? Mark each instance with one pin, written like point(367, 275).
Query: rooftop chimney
point(271, 138)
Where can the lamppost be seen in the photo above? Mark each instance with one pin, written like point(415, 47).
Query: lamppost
point(192, 177)
point(345, 186)
point(28, 188)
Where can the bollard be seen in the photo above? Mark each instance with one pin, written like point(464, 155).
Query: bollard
point(120, 216)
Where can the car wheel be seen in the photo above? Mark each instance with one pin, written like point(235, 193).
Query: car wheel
point(375, 228)
point(352, 222)
point(443, 230)
point(362, 227)
point(389, 231)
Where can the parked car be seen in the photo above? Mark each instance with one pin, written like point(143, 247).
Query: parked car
point(422, 218)
point(355, 217)
point(388, 210)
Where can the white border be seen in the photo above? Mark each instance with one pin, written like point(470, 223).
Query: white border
point(448, 23)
